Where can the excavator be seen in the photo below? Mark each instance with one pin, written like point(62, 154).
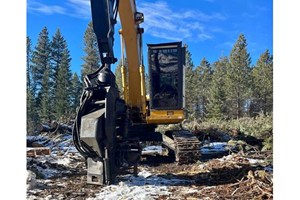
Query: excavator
point(108, 130)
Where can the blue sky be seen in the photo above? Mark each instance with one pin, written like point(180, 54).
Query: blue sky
point(209, 27)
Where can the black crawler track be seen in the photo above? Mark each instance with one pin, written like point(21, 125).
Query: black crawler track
point(187, 147)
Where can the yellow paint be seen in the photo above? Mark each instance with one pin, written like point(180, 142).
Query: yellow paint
point(143, 90)
point(127, 9)
point(124, 83)
point(133, 75)
point(165, 116)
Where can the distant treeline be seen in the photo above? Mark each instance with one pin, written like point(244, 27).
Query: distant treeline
point(226, 89)
point(53, 91)
point(230, 88)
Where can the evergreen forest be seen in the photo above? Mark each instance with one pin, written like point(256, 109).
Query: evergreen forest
point(230, 88)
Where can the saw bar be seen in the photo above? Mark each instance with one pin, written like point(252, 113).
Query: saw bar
point(187, 147)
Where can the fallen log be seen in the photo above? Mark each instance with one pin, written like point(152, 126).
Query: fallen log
point(211, 134)
point(33, 152)
point(65, 127)
point(43, 128)
point(33, 144)
point(61, 127)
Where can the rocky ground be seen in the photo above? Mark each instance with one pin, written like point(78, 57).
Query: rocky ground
point(62, 175)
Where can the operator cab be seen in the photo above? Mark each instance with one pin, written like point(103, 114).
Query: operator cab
point(166, 72)
point(166, 75)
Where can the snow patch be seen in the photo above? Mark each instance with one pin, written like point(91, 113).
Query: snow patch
point(214, 147)
point(48, 172)
point(255, 161)
point(189, 190)
point(63, 161)
point(225, 158)
point(123, 191)
point(153, 149)
point(144, 186)
point(60, 144)
point(144, 174)
point(31, 180)
point(269, 169)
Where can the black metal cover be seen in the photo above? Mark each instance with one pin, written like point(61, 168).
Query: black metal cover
point(103, 24)
point(165, 63)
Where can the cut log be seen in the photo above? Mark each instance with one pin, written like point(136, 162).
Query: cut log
point(36, 144)
point(54, 125)
point(43, 128)
point(61, 127)
point(212, 134)
point(65, 127)
point(33, 152)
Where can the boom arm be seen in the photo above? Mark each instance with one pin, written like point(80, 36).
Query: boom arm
point(104, 14)
point(132, 35)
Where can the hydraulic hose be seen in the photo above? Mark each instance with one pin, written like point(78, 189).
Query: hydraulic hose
point(85, 100)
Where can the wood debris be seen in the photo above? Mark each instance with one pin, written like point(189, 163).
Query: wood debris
point(38, 151)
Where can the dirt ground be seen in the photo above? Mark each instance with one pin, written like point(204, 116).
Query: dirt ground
point(235, 176)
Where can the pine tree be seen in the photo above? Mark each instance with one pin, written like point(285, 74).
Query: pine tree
point(263, 84)
point(28, 64)
point(203, 75)
point(238, 89)
point(76, 90)
point(46, 110)
point(63, 90)
point(31, 117)
point(61, 74)
point(190, 98)
point(216, 106)
point(41, 75)
point(40, 59)
point(118, 75)
point(58, 45)
point(91, 58)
